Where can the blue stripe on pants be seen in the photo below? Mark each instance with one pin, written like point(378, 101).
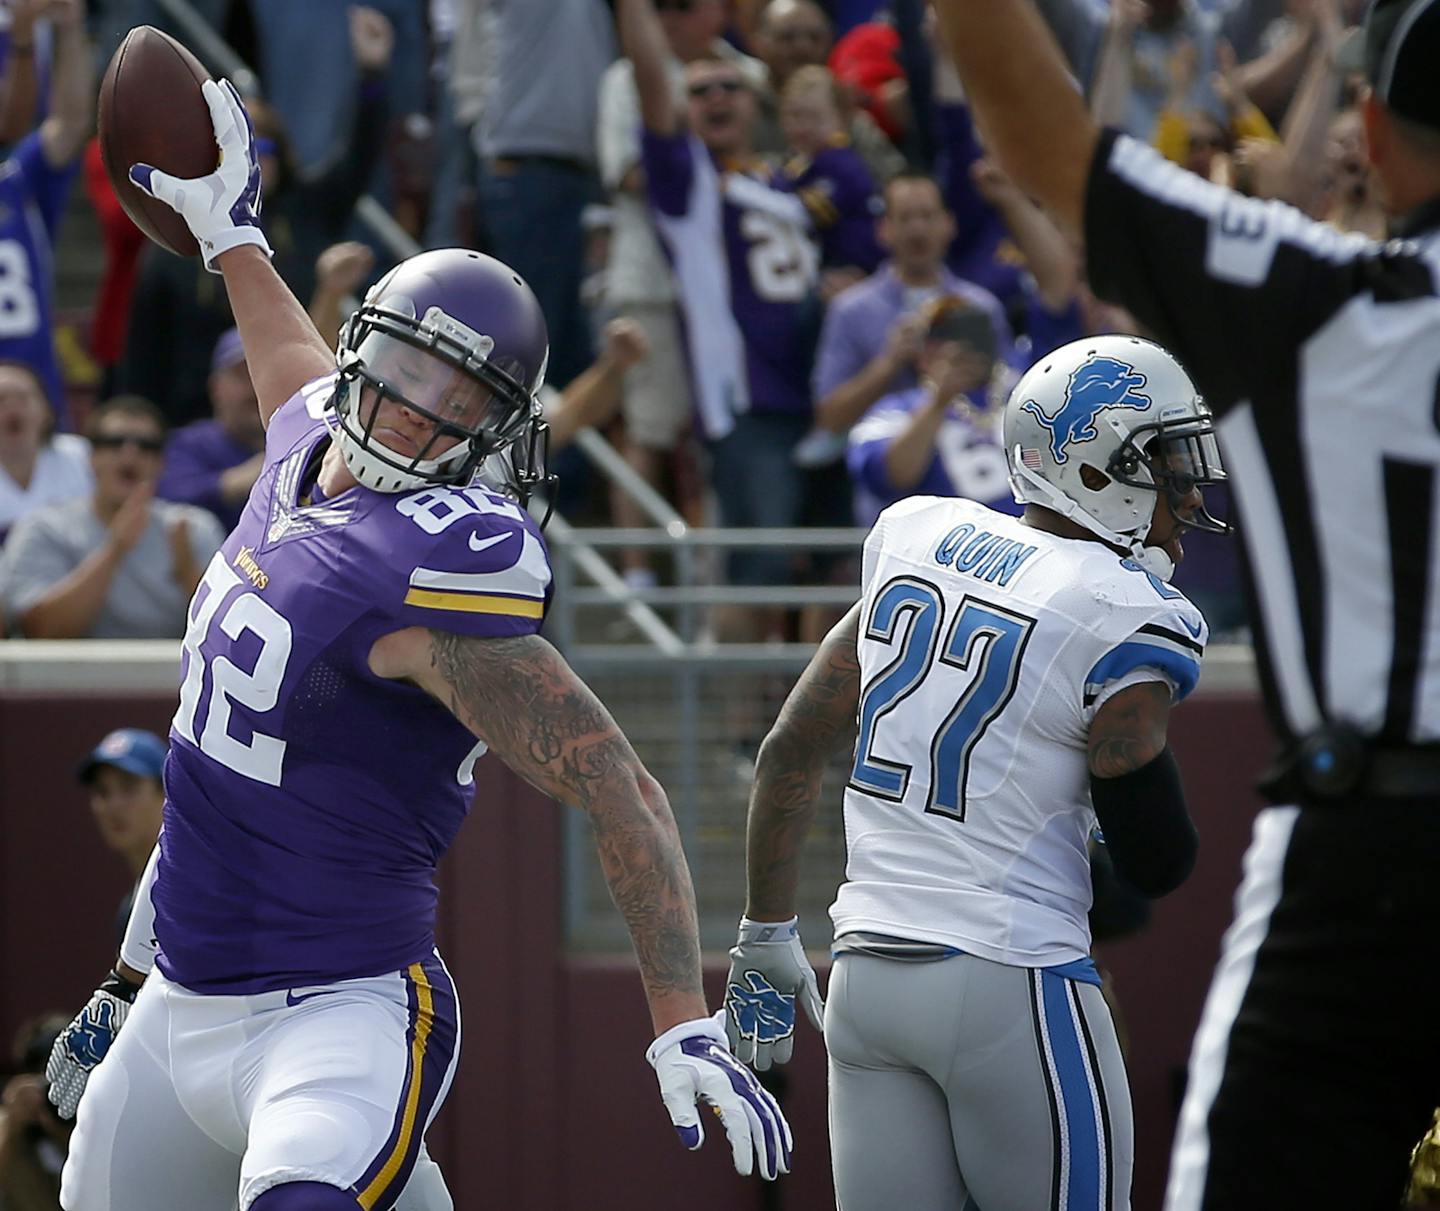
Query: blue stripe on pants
point(1081, 1132)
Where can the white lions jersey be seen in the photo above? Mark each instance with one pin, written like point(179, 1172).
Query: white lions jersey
point(986, 647)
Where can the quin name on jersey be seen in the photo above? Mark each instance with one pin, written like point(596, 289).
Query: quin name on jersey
point(986, 647)
point(304, 820)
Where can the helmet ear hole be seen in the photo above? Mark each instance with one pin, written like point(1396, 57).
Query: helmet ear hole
point(1093, 478)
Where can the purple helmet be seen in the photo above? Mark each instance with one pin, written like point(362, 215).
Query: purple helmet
point(458, 340)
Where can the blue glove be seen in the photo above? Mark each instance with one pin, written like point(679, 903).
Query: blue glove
point(693, 1063)
point(81, 1046)
point(222, 210)
point(768, 970)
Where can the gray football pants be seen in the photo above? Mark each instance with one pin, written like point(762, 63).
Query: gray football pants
point(963, 1083)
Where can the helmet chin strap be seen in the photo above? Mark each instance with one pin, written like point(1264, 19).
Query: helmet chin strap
point(1152, 559)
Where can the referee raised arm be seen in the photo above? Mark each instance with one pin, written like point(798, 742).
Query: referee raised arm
point(1312, 1074)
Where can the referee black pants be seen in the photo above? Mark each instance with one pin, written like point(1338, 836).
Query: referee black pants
point(1316, 1066)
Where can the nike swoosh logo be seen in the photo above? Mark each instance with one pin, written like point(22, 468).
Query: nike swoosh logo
point(1195, 630)
point(484, 544)
point(292, 999)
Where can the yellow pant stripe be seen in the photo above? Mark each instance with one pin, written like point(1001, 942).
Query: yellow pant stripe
point(424, 1017)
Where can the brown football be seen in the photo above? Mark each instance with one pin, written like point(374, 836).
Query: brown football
point(153, 112)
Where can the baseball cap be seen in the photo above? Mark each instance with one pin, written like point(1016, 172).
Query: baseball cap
point(228, 351)
point(132, 749)
point(1398, 47)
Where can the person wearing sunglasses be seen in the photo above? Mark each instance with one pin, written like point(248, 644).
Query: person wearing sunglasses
point(656, 398)
point(117, 564)
point(747, 271)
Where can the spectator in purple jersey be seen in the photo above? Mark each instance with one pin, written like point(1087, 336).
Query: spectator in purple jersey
point(941, 438)
point(746, 271)
point(34, 183)
point(214, 463)
point(873, 331)
point(638, 283)
point(829, 176)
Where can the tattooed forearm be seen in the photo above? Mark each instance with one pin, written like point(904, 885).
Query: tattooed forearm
point(1129, 730)
point(816, 719)
point(548, 726)
point(649, 881)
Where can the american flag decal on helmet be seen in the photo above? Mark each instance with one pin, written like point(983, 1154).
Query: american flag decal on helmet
point(1030, 457)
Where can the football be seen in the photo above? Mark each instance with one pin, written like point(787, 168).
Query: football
point(153, 112)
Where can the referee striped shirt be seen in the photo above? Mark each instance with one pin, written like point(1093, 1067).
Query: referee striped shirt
point(1320, 355)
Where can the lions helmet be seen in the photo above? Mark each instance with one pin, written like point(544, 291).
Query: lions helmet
point(458, 340)
point(1095, 429)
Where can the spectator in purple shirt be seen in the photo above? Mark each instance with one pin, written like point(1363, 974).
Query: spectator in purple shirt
point(873, 331)
point(214, 463)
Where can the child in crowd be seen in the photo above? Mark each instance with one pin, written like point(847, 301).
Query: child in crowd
point(828, 175)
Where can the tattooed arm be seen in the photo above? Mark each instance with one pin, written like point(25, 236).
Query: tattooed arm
point(1129, 730)
point(1136, 790)
point(520, 697)
point(816, 719)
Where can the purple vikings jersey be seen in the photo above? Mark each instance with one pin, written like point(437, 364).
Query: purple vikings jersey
point(307, 800)
point(32, 197)
point(745, 273)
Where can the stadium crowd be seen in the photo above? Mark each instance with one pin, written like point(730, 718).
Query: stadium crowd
point(894, 282)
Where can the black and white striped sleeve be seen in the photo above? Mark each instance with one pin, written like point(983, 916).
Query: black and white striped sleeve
point(1231, 285)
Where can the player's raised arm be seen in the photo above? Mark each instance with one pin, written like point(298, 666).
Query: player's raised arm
point(768, 968)
point(222, 211)
point(520, 696)
point(1028, 109)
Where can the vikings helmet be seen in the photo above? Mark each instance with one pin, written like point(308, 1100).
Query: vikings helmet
point(457, 339)
point(1124, 409)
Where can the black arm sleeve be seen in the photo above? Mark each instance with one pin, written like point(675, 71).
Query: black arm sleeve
point(1117, 910)
point(1147, 828)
